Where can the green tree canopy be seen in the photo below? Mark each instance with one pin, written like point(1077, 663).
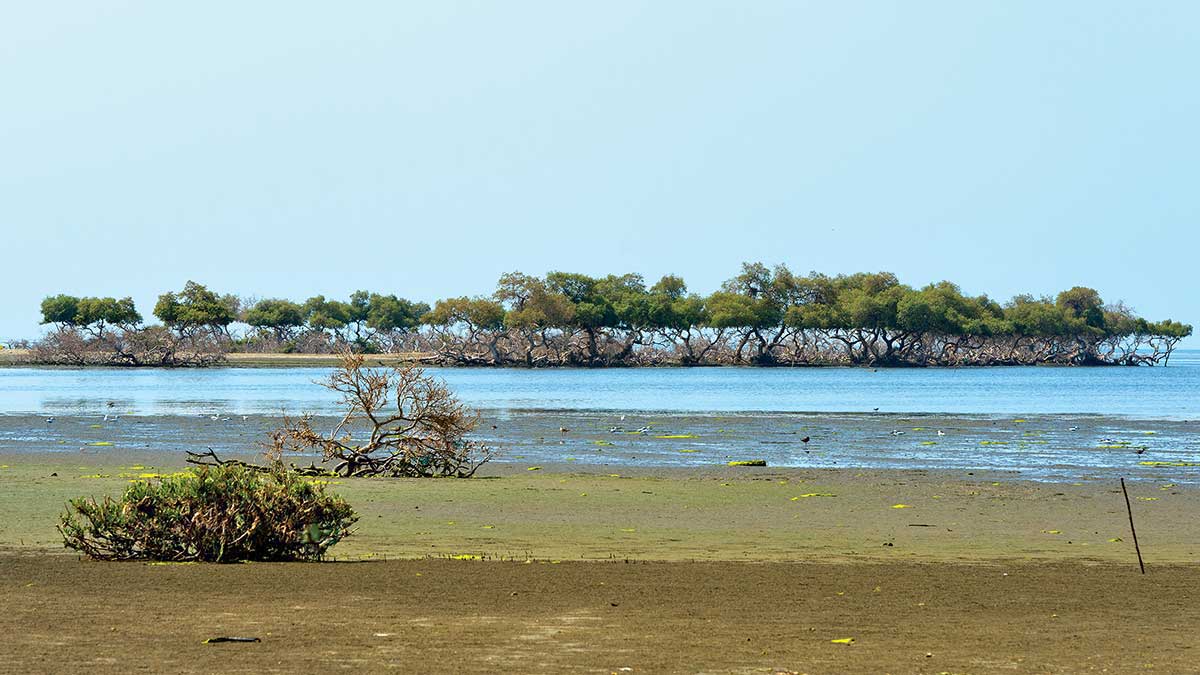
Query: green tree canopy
point(275, 314)
point(195, 306)
point(68, 310)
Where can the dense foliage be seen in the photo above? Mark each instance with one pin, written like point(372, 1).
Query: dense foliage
point(211, 514)
point(762, 316)
point(106, 331)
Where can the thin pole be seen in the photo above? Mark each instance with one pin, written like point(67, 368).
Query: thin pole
point(1131, 527)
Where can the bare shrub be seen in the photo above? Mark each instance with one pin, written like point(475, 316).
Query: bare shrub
point(398, 422)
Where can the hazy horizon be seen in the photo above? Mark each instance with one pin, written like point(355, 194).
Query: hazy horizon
point(284, 150)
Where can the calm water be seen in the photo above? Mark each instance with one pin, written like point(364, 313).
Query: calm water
point(1147, 393)
point(1044, 423)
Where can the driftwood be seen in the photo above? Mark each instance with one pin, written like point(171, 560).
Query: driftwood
point(210, 458)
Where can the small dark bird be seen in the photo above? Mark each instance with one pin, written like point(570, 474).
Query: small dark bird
point(563, 430)
point(805, 439)
point(877, 410)
point(493, 426)
point(1140, 450)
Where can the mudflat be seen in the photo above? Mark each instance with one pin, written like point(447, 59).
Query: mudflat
point(571, 568)
point(63, 615)
point(571, 512)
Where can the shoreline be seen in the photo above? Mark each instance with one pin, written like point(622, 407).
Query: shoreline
point(20, 358)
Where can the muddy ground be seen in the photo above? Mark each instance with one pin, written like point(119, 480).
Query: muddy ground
point(716, 570)
point(720, 513)
point(63, 615)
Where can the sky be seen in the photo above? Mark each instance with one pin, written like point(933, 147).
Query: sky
point(286, 149)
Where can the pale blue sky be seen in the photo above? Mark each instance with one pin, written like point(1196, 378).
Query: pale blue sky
point(424, 148)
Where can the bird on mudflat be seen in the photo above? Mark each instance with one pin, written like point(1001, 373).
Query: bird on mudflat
point(50, 419)
point(941, 433)
point(805, 439)
point(563, 430)
point(897, 432)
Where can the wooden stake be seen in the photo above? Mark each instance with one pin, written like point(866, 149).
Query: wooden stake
point(1131, 527)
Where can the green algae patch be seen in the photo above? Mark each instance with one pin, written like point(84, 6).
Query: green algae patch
point(678, 436)
point(748, 462)
point(1169, 463)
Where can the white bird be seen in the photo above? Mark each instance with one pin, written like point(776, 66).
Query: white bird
point(643, 430)
point(622, 418)
point(941, 433)
point(1073, 429)
point(50, 420)
point(245, 417)
point(214, 417)
point(614, 430)
point(897, 432)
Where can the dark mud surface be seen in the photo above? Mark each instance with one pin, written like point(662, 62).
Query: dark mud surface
point(439, 616)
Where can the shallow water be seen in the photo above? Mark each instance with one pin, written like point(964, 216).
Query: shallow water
point(1172, 392)
point(1044, 423)
point(1050, 447)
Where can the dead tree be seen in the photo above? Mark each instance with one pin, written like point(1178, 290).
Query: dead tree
point(398, 422)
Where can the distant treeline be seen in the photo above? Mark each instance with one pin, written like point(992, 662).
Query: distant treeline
point(762, 316)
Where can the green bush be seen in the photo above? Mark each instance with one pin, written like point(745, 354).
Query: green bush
point(210, 514)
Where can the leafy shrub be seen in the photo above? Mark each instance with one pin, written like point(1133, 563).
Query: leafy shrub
point(211, 514)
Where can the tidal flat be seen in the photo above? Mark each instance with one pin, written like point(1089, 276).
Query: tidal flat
point(1056, 448)
point(586, 548)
